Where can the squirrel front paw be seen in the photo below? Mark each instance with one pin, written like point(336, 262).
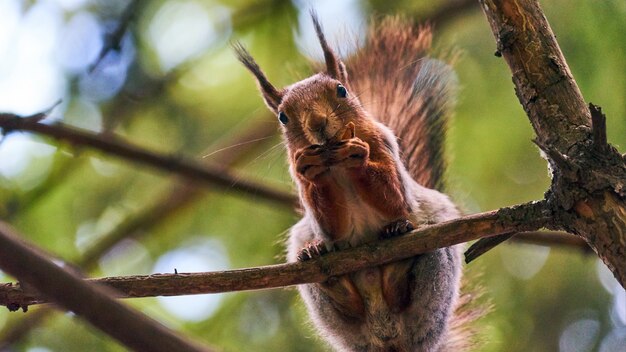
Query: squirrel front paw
point(353, 152)
point(311, 162)
point(315, 160)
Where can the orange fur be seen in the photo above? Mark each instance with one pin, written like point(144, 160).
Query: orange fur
point(354, 179)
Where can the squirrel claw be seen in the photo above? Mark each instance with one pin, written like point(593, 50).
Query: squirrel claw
point(396, 228)
point(312, 250)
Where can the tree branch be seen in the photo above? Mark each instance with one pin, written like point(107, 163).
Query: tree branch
point(525, 217)
point(588, 192)
point(543, 81)
point(211, 175)
point(181, 195)
point(92, 302)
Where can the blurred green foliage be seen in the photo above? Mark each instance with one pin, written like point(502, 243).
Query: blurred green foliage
point(74, 196)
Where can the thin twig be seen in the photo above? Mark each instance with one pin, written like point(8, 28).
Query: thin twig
point(524, 217)
point(553, 239)
point(484, 245)
point(541, 238)
point(211, 175)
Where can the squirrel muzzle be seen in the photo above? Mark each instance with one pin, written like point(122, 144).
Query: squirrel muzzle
point(316, 127)
point(323, 130)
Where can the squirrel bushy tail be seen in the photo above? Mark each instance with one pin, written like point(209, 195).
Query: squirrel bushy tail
point(409, 92)
point(414, 95)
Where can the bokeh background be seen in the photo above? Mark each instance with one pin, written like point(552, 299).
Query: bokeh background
point(173, 85)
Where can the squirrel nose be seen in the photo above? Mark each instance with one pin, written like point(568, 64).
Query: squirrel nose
point(316, 123)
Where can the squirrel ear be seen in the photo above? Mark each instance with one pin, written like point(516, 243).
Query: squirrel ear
point(271, 95)
point(334, 66)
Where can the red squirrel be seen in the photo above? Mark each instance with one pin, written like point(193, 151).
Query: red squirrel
point(365, 174)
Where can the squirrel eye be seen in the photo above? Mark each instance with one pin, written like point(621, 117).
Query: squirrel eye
point(282, 117)
point(342, 92)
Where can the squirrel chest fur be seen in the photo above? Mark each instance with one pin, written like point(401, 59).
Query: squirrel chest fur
point(341, 159)
point(357, 184)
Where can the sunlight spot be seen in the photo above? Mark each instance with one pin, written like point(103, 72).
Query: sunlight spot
point(10, 14)
point(85, 235)
point(618, 313)
point(606, 277)
point(210, 73)
point(18, 152)
point(344, 32)
point(579, 336)
point(92, 230)
point(199, 255)
point(71, 5)
point(128, 257)
point(38, 349)
point(80, 42)
point(84, 114)
point(615, 341)
point(524, 260)
point(3, 320)
point(104, 167)
point(39, 31)
point(179, 31)
point(259, 320)
point(31, 81)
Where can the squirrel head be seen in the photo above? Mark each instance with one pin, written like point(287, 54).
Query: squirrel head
point(316, 110)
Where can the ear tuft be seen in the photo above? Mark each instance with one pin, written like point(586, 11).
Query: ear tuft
point(334, 66)
point(271, 95)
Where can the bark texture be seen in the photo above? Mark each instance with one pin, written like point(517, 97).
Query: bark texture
point(587, 194)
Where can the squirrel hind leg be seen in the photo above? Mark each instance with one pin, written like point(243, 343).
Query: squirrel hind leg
point(396, 285)
point(435, 288)
point(340, 290)
point(345, 298)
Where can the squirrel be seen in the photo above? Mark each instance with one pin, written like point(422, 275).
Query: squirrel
point(364, 141)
